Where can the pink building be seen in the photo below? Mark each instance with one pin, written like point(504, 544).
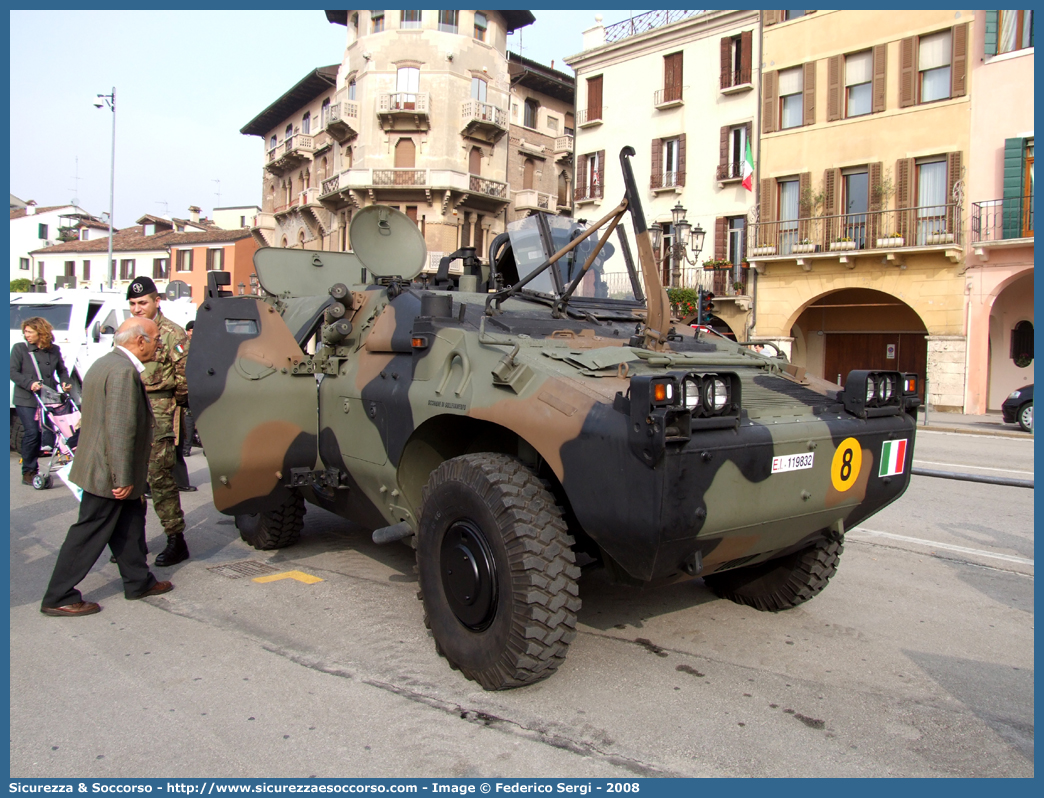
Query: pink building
point(999, 198)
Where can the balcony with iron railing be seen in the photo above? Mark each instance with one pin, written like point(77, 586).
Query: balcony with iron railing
point(728, 172)
point(490, 188)
point(399, 110)
point(341, 120)
point(532, 200)
point(585, 193)
point(1002, 222)
point(482, 121)
point(643, 23)
point(721, 282)
point(666, 180)
point(893, 233)
point(736, 80)
point(667, 98)
point(588, 117)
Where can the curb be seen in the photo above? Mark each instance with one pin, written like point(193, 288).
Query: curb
point(1000, 433)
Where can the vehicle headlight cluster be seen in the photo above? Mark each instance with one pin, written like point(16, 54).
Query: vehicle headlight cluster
point(869, 394)
point(707, 394)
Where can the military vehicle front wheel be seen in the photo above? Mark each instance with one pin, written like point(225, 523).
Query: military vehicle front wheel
point(274, 529)
point(781, 583)
point(497, 574)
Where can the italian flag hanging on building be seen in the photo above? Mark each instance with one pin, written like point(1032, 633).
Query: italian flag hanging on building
point(893, 458)
point(748, 169)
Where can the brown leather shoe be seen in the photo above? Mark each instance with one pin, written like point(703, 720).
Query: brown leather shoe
point(155, 590)
point(27, 477)
point(72, 610)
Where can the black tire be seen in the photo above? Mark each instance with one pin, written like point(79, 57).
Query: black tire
point(1025, 417)
point(782, 583)
point(507, 618)
point(42, 481)
point(17, 433)
point(274, 529)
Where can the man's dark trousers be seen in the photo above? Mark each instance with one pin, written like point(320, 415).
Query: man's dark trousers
point(121, 525)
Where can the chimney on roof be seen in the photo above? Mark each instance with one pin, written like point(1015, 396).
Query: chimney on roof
point(30, 207)
point(194, 214)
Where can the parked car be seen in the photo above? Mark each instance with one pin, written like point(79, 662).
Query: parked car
point(1018, 408)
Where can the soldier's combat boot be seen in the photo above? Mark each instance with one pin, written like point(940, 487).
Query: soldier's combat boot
point(176, 551)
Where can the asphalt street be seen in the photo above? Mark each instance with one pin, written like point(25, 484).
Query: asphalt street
point(917, 659)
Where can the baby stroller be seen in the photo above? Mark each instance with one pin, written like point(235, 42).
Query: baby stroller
point(63, 419)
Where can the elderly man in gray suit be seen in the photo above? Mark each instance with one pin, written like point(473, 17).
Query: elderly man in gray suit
point(111, 465)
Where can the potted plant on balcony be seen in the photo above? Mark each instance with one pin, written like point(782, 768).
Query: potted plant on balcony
point(891, 240)
point(739, 286)
point(717, 264)
point(842, 243)
point(804, 245)
point(939, 238)
point(761, 250)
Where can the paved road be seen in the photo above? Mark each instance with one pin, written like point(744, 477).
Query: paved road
point(916, 661)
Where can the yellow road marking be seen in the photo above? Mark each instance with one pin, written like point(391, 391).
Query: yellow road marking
point(300, 576)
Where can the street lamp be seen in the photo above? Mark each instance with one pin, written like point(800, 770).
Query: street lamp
point(684, 233)
point(100, 102)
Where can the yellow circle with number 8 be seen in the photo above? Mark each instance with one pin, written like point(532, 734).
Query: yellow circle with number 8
point(844, 470)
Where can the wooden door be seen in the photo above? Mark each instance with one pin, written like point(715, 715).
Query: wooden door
point(848, 351)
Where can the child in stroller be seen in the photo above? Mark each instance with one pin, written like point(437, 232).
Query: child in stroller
point(63, 420)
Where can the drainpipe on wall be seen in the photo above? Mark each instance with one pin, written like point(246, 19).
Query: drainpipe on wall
point(757, 169)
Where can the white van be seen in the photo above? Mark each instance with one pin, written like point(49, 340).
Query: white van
point(84, 323)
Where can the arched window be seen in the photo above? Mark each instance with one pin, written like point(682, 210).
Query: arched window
point(300, 238)
point(306, 123)
point(351, 89)
point(528, 167)
point(346, 158)
point(284, 242)
point(563, 189)
point(273, 142)
point(405, 154)
point(288, 134)
point(324, 171)
point(1022, 344)
point(475, 161)
point(325, 112)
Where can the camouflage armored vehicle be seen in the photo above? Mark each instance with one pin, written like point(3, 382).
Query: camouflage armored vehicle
point(520, 418)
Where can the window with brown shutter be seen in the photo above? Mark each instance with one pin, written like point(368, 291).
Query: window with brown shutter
point(959, 64)
point(831, 192)
point(746, 43)
point(599, 189)
point(908, 72)
point(721, 237)
point(672, 77)
point(834, 66)
point(656, 165)
point(680, 177)
point(723, 152)
point(879, 79)
point(804, 204)
point(953, 175)
point(876, 222)
point(766, 212)
point(905, 175)
point(726, 62)
point(770, 17)
point(809, 90)
point(769, 101)
point(594, 98)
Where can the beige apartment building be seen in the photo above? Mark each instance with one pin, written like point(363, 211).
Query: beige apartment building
point(415, 117)
point(862, 227)
point(680, 87)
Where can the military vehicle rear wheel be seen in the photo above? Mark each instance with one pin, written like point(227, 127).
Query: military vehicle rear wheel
point(17, 433)
point(781, 583)
point(274, 529)
point(497, 574)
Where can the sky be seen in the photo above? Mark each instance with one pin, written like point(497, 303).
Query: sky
point(185, 83)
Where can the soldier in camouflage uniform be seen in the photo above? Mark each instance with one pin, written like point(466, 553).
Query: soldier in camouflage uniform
point(167, 389)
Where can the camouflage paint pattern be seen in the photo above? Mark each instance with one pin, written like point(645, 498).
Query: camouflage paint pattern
point(165, 382)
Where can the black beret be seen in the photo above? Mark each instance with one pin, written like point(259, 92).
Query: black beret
point(141, 286)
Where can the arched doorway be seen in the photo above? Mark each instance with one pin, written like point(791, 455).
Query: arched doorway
point(475, 161)
point(528, 168)
point(860, 328)
point(1011, 340)
point(405, 154)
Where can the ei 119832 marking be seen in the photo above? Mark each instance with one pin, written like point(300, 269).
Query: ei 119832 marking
point(791, 462)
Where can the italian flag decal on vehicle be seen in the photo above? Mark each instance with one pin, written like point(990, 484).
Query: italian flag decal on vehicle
point(893, 457)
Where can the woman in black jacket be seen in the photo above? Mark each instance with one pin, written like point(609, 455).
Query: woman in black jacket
point(28, 377)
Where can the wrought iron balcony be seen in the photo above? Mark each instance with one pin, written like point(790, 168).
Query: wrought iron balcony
point(587, 116)
point(482, 121)
point(342, 120)
point(1002, 220)
point(730, 171)
point(667, 98)
point(584, 192)
point(736, 79)
point(666, 180)
point(400, 177)
point(403, 110)
point(934, 226)
point(491, 188)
